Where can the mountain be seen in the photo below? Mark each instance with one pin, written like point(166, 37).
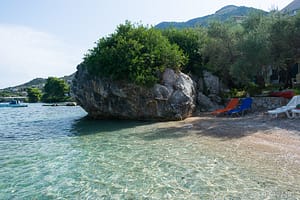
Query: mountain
point(224, 14)
point(292, 8)
point(37, 83)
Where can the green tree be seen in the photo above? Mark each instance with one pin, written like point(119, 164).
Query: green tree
point(191, 41)
point(253, 51)
point(220, 49)
point(284, 39)
point(281, 36)
point(34, 95)
point(55, 90)
point(134, 53)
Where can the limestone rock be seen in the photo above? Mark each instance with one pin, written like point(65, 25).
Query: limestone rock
point(209, 87)
point(205, 103)
point(212, 82)
point(102, 98)
point(209, 83)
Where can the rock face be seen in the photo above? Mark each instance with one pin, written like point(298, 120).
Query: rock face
point(205, 103)
point(173, 99)
point(209, 88)
point(211, 82)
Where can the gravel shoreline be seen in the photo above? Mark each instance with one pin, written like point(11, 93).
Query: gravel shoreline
point(270, 146)
point(237, 127)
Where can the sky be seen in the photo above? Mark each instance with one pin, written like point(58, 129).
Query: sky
point(43, 38)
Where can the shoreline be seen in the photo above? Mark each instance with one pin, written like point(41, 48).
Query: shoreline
point(256, 129)
point(256, 141)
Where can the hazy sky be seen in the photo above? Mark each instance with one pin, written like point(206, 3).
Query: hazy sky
point(42, 38)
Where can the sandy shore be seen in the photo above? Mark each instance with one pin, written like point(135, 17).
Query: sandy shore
point(257, 141)
point(259, 131)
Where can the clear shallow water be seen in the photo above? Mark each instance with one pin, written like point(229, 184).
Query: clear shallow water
point(55, 153)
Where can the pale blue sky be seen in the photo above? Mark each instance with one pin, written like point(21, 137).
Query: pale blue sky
point(41, 38)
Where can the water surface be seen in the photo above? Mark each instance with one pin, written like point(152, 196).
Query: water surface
point(56, 153)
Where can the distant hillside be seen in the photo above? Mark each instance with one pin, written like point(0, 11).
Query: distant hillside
point(224, 14)
point(292, 8)
point(37, 83)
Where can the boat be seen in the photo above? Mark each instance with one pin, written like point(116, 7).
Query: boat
point(14, 104)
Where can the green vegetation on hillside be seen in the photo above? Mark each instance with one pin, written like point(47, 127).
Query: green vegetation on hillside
point(241, 54)
point(191, 41)
point(55, 90)
point(6, 94)
point(31, 89)
point(225, 14)
point(34, 95)
point(134, 53)
point(245, 52)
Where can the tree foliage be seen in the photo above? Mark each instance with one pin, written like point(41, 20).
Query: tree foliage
point(55, 90)
point(134, 53)
point(239, 53)
point(191, 41)
point(34, 95)
point(253, 50)
point(243, 52)
point(221, 49)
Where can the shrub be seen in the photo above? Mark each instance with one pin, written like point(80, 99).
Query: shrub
point(134, 53)
point(34, 95)
point(253, 89)
point(191, 41)
point(297, 91)
point(55, 90)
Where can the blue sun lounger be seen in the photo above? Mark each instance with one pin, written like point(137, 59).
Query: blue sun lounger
point(241, 109)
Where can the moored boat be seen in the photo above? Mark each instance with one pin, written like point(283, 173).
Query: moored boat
point(14, 104)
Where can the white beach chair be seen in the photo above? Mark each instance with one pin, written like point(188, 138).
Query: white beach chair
point(286, 109)
point(296, 113)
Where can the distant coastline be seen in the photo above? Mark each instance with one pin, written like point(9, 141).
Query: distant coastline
point(19, 92)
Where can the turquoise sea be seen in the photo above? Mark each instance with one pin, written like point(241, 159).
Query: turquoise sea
point(57, 153)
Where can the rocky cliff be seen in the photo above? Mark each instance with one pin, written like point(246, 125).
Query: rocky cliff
point(173, 99)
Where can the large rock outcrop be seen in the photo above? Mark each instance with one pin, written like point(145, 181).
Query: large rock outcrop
point(173, 99)
point(209, 88)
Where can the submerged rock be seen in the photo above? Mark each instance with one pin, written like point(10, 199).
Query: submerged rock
point(102, 98)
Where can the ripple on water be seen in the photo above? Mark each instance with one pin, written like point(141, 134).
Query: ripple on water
point(57, 154)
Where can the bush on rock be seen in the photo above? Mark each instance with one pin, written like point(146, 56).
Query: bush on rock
point(133, 53)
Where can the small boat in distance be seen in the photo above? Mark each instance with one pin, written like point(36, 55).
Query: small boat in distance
point(14, 104)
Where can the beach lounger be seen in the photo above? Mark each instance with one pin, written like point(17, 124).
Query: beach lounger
point(286, 109)
point(296, 113)
point(231, 105)
point(240, 110)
